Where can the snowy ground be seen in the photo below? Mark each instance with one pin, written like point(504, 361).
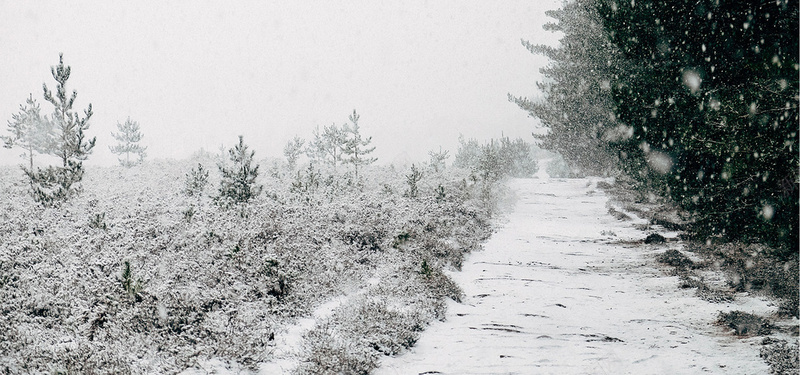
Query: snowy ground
point(564, 288)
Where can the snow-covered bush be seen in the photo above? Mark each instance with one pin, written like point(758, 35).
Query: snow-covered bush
point(238, 183)
point(174, 279)
point(196, 181)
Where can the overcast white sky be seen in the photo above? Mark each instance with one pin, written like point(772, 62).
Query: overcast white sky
point(197, 73)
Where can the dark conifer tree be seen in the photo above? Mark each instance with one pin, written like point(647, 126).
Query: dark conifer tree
point(56, 184)
point(238, 184)
point(711, 95)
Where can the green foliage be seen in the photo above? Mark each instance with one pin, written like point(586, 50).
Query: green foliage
point(130, 285)
point(411, 180)
point(693, 100)
point(710, 96)
point(188, 214)
point(53, 185)
point(128, 138)
point(306, 182)
point(238, 184)
point(70, 142)
point(577, 107)
point(196, 181)
point(98, 221)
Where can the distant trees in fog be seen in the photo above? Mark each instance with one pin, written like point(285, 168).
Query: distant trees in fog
point(128, 138)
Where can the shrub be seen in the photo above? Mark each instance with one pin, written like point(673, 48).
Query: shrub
point(196, 181)
point(238, 184)
point(781, 357)
point(411, 180)
point(745, 324)
point(98, 221)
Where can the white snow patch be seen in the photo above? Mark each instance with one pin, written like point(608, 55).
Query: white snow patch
point(552, 294)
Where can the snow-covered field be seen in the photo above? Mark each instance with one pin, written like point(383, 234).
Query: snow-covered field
point(561, 287)
point(565, 288)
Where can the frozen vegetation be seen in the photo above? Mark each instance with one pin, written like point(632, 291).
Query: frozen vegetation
point(682, 255)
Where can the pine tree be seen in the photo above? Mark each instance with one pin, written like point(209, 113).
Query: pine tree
point(711, 99)
point(30, 131)
point(128, 138)
point(238, 184)
point(292, 151)
point(577, 108)
point(56, 184)
point(327, 145)
point(356, 148)
point(438, 159)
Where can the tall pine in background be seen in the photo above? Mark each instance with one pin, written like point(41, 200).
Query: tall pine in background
point(30, 131)
point(711, 95)
point(356, 148)
point(577, 108)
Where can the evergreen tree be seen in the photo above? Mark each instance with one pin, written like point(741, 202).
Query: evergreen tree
point(516, 155)
point(468, 153)
point(711, 96)
point(196, 181)
point(30, 131)
point(438, 159)
point(327, 145)
point(355, 148)
point(238, 184)
point(56, 184)
point(577, 108)
point(128, 138)
point(292, 151)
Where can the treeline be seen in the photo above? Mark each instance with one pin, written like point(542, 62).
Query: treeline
point(696, 101)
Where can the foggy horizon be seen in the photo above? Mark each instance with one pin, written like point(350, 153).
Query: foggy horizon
point(195, 77)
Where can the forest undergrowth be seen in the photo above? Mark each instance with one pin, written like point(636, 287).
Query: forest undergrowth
point(753, 268)
point(135, 276)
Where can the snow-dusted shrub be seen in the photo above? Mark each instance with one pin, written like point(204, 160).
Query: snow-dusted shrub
point(557, 167)
point(220, 283)
point(238, 184)
point(781, 357)
point(412, 178)
point(196, 181)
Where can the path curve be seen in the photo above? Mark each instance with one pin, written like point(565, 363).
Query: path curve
point(561, 289)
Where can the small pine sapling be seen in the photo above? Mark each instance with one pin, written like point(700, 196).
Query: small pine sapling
point(128, 138)
point(412, 179)
point(439, 159)
point(238, 184)
point(327, 145)
point(292, 151)
point(54, 185)
point(132, 287)
point(30, 131)
point(196, 181)
point(356, 148)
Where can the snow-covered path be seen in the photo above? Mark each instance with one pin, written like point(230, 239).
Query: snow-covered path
point(562, 288)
